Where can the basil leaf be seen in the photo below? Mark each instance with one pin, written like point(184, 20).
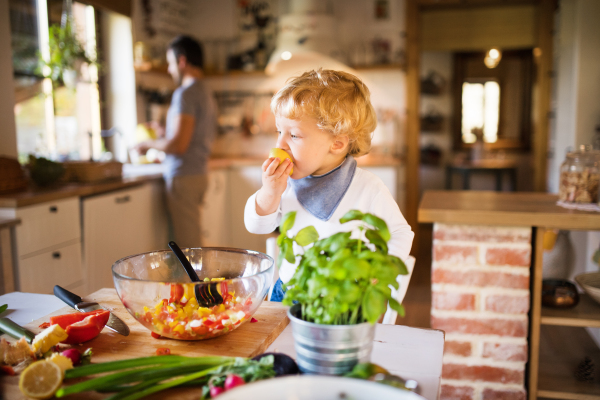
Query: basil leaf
point(375, 238)
point(307, 236)
point(402, 270)
point(287, 222)
point(351, 215)
point(373, 304)
point(289, 251)
point(397, 307)
point(3, 308)
point(379, 224)
point(357, 268)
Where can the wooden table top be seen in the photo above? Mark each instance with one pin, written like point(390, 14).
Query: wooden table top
point(503, 209)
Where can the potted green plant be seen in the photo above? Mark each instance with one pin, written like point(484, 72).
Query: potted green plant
point(340, 289)
point(67, 54)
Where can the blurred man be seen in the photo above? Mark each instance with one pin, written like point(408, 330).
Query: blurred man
point(190, 129)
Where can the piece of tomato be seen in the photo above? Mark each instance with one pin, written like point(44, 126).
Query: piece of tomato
point(155, 335)
point(87, 329)
point(163, 351)
point(200, 330)
point(176, 293)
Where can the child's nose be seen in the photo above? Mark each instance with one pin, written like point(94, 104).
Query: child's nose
point(281, 143)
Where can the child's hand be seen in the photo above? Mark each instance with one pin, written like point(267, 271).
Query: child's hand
point(274, 180)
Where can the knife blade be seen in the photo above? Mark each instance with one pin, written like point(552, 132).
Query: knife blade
point(114, 323)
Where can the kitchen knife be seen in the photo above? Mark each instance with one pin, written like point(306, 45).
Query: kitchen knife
point(15, 330)
point(114, 323)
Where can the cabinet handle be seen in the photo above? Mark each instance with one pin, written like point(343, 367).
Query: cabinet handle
point(124, 199)
point(56, 255)
point(53, 209)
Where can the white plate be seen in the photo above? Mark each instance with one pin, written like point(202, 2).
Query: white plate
point(310, 387)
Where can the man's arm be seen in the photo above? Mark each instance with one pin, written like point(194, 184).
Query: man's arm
point(183, 125)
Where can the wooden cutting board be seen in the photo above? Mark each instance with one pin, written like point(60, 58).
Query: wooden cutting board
point(248, 340)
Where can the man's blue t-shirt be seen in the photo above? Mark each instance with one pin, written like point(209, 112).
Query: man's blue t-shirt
point(196, 100)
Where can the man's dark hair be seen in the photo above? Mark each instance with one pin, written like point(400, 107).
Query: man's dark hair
point(189, 48)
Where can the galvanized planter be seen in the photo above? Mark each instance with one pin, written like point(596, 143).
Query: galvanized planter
point(330, 349)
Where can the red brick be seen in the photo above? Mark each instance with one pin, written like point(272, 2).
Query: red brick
point(453, 301)
point(507, 304)
point(495, 394)
point(505, 351)
point(481, 326)
point(482, 234)
point(456, 393)
point(479, 373)
point(462, 349)
point(508, 256)
point(455, 253)
point(480, 278)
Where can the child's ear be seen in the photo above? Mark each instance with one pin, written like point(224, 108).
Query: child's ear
point(340, 144)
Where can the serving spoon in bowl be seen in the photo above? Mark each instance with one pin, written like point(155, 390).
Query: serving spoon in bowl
point(206, 295)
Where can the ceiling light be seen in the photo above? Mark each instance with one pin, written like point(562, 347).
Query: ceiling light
point(492, 58)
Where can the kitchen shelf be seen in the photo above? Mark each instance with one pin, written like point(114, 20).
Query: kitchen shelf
point(585, 314)
point(561, 350)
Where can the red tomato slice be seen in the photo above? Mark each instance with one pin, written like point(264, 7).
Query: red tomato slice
point(163, 351)
point(176, 293)
point(155, 335)
point(87, 329)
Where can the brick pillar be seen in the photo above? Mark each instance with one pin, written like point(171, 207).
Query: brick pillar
point(480, 298)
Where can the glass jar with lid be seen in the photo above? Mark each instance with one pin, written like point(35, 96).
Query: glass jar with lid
point(579, 176)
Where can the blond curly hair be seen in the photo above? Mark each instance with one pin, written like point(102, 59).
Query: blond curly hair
point(339, 101)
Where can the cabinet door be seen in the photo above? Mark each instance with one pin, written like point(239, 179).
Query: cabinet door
point(59, 266)
point(47, 225)
point(116, 225)
point(214, 213)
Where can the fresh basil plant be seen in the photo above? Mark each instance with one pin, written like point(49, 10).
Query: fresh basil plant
point(341, 280)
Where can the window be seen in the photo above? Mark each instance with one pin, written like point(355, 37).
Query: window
point(480, 111)
point(493, 104)
point(52, 120)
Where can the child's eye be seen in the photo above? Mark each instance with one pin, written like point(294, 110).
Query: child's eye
point(294, 137)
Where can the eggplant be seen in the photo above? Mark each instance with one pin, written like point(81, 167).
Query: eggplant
point(282, 364)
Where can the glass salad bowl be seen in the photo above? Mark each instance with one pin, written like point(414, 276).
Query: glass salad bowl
point(157, 292)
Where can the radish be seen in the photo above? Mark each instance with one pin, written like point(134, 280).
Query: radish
point(74, 355)
point(233, 380)
point(215, 391)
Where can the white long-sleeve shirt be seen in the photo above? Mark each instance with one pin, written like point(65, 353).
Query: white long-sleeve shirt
point(366, 193)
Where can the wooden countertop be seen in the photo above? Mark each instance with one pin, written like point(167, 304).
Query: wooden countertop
point(41, 195)
point(503, 209)
point(35, 195)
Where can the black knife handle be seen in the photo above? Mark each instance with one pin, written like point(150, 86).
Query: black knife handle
point(184, 261)
point(15, 330)
point(66, 296)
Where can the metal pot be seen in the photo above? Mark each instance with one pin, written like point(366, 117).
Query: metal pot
point(330, 349)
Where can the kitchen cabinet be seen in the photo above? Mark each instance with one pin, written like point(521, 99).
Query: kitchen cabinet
point(119, 224)
point(48, 244)
point(214, 212)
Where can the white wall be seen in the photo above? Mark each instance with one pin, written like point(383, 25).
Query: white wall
point(120, 81)
point(8, 130)
point(577, 102)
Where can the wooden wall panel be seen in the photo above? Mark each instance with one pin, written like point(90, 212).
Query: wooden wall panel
point(509, 27)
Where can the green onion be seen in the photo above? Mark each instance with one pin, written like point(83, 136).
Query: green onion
point(133, 389)
point(92, 369)
point(145, 374)
point(170, 384)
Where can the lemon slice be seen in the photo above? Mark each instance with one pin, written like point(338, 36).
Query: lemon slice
point(41, 380)
point(63, 362)
point(47, 338)
point(282, 155)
